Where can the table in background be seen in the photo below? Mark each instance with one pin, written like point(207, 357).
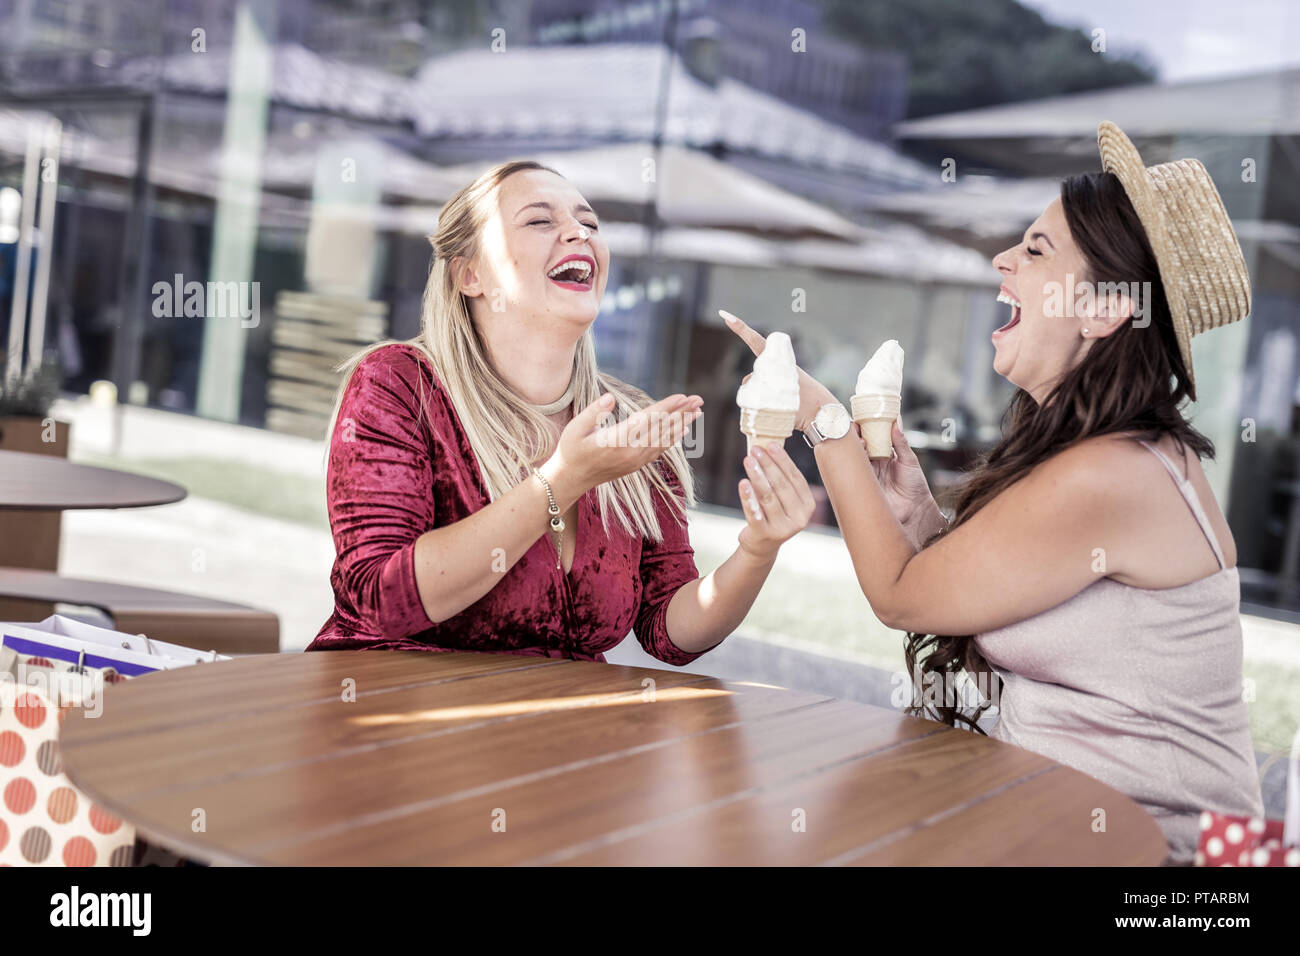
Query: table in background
point(45, 483)
point(32, 486)
point(469, 758)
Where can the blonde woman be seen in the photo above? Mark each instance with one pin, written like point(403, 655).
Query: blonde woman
point(490, 489)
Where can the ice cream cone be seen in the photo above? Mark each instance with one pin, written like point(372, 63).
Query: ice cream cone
point(762, 425)
point(769, 400)
point(876, 400)
point(875, 414)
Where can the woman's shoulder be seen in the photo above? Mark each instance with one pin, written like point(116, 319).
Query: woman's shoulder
point(396, 360)
point(1117, 464)
point(1097, 473)
point(394, 380)
point(400, 369)
point(1123, 450)
point(1100, 452)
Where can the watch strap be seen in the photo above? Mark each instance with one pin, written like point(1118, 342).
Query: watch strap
point(814, 436)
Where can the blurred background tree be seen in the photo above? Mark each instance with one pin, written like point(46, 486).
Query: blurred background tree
point(969, 53)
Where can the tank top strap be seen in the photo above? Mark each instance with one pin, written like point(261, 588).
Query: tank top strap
point(1188, 491)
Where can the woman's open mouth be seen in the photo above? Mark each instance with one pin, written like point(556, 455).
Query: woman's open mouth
point(574, 273)
point(1005, 297)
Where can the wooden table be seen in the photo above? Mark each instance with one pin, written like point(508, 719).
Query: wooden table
point(45, 482)
point(467, 758)
point(188, 619)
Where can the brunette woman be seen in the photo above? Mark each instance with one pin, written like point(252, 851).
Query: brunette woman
point(1087, 568)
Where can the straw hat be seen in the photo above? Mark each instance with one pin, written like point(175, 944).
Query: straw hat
point(1196, 249)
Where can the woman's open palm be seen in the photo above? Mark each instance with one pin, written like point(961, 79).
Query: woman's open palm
point(776, 499)
point(902, 480)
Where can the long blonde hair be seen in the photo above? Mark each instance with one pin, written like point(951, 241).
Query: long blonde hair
point(505, 432)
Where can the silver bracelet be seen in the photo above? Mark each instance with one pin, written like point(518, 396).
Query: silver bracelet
point(557, 523)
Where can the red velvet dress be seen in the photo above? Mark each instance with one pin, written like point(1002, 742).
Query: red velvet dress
point(397, 470)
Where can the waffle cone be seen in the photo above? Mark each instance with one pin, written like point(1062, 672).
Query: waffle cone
point(752, 439)
point(875, 414)
point(762, 425)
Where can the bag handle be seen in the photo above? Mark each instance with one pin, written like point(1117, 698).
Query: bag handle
point(148, 647)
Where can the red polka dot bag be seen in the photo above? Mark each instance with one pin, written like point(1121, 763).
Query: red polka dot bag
point(46, 670)
point(1228, 840)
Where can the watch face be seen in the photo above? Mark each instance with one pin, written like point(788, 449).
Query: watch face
point(833, 421)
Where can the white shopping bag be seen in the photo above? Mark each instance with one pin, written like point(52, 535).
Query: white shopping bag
point(64, 640)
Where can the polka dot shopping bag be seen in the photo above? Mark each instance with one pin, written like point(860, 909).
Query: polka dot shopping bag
point(44, 819)
point(1228, 840)
point(46, 671)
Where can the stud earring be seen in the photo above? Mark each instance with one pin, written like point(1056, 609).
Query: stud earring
point(1085, 331)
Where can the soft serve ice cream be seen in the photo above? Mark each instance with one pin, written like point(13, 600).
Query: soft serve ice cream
point(775, 382)
point(877, 398)
point(769, 400)
point(883, 373)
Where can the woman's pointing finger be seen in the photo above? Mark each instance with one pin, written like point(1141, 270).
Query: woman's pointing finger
point(751, 338)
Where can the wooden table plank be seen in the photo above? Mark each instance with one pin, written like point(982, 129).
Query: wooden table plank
point(190, 620)
point(1044, 821)
point(251, 807)
point(846, 804)
point(207, 694)
point(586, 767)
point(251, 744)
point(632, 786)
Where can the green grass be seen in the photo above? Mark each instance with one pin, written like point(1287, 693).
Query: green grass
point(836, 620)
point(255, 488)
point(1275, 712)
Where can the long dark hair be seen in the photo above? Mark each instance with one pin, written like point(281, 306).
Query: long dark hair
point(1133, 380)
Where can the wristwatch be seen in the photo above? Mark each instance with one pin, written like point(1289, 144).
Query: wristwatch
point(831, 421)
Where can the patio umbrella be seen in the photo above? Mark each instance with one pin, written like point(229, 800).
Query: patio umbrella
point(890, 249)
point(292, 164)
point(691, 188)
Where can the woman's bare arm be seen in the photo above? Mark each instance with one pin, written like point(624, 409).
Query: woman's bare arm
point(1031, 548)
point(457, 564)
point(777, 504)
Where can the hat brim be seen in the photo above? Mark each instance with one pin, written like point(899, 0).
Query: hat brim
point(1120, 157)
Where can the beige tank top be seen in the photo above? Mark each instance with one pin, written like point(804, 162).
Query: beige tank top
point(1139, 688)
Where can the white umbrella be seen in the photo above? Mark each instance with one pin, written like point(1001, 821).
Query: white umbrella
point(893, 250)
point(690, 187)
